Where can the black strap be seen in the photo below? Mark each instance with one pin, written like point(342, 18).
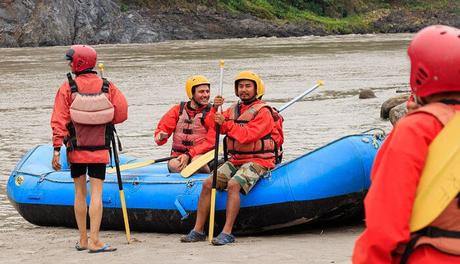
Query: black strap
point(105, 85)
point(72, 84)
point(430, 231)
point(237, 111)
point(204, 113)
point(225, 148)
point(437, 232)
point(409, 249)
point(450, 101)
point(187, 131)
point(187, 143)
point(181, 108)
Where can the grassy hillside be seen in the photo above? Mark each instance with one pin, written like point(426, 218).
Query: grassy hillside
point(343, 16)
point(335, 16)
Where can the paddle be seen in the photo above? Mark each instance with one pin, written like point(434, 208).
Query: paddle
point(440, 180)
point(216, 158)
point(199, 162)
point(135, 165)
point(120, 183)
point(120, 188)
point(204, 159)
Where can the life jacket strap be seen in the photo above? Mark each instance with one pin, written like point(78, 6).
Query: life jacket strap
point(72, 84)
point(430, 231)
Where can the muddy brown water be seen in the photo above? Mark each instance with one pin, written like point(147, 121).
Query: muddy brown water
point(152, 77)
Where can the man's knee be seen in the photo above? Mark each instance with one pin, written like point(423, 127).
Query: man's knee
point(173, 166)
point(207, 184)
point(233, 186)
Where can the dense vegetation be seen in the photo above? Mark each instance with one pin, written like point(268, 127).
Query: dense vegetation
point(339, 16)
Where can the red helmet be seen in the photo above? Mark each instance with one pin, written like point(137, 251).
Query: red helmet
point(83, 57)
point(434, 54)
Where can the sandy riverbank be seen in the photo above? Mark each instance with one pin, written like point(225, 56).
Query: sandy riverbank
point(319, 244)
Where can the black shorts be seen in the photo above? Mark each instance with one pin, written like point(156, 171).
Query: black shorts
point(95, 170)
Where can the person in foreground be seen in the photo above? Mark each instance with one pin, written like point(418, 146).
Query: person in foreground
point(191, 123)
point(391, 206)
point(85, 109)
point(249, 125)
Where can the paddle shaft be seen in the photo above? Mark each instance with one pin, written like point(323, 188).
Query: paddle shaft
point(297, 98)
point(120, 188)
point(216, 159)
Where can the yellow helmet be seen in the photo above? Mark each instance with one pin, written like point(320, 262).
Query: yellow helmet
point(249, 75)
point(193, 81)
point(262, 89)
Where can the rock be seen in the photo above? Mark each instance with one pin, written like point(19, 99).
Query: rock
point(397, 113)
point(390, 103)
point(366, 94)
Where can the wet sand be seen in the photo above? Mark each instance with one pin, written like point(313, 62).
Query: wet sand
point(319, 244)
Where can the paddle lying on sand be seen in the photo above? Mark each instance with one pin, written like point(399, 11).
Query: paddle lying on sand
point(206, 158)
point(117, 166)
point(216, 158)
point(135, 165)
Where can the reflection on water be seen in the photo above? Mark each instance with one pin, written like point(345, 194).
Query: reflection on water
point(152, 76)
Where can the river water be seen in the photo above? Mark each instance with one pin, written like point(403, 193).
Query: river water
point(152, 77)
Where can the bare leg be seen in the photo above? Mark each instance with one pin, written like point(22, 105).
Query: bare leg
point(95, 212)
point(233, 205)
point(203, 205)
point(80, 208)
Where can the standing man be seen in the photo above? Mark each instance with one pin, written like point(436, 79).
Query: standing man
point(390, 235)
point(191, 123)
point(248, 125)
point(85, 109)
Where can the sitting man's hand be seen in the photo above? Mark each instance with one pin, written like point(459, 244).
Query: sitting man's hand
point(219, 118)
point(218, 101)
point(183, 161)
point(161, 136)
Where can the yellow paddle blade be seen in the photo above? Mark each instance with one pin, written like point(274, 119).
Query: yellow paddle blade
point(199, 162)
point(212, 211)
point(131, 166)
point(440, 181)
point(125, 216)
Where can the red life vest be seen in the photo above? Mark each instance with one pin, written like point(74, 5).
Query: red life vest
point(189, 131)
point(444, 232)
point(91, 116)
point(264, 148)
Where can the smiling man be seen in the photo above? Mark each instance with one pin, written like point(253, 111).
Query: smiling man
point(250, 128)
point(191, 124)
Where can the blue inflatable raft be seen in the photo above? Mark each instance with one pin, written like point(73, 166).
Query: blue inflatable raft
point(327, 183)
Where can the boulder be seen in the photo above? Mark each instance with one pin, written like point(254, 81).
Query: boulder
point(390, 103)
point(366, 94)
point(397, 113)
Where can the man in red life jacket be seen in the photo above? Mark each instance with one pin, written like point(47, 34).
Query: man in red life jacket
point(435, 82)
point(85, 109)
point(249, 125)
point(191, 124)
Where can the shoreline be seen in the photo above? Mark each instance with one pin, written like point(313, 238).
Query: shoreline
point(302, 244)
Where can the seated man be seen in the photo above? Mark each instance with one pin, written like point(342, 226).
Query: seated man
point(191, 123)
point(249, 125)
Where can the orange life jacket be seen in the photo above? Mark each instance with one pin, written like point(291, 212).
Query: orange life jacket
point(444, 232)
point(264, 148)
point(189, 131)
point(91, 116)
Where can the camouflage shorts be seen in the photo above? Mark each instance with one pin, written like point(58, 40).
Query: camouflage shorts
point(246, 175)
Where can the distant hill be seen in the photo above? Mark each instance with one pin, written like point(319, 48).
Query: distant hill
point(55, 22)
